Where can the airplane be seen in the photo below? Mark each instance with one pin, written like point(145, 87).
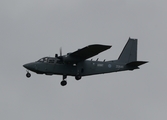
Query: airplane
point(76, 63)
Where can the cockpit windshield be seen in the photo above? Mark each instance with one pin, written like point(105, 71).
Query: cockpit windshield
point(43, 59)
point(47, 60)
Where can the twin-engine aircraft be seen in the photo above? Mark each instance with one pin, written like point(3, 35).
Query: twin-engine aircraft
point(76, 63)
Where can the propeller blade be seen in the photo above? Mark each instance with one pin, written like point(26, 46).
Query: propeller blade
point(60, 51)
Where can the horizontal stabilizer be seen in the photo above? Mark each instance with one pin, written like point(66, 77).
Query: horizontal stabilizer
point(136, 63)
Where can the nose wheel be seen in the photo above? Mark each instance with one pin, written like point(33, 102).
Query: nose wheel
point(28, 75)
point(64, 82)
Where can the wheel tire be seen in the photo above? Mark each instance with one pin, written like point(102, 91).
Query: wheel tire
point(63, 83)
point(28, 75)
point(78, 77)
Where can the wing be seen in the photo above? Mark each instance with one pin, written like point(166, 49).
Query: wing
point(89, 51)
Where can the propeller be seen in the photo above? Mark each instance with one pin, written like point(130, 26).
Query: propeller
point(61, 51)
point(60, 56)
point(64, 58)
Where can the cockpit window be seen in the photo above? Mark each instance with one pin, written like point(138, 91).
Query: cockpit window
point(43, 60)
point(47, 60)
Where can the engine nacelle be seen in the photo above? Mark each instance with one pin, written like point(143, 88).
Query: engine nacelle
point(68, 59)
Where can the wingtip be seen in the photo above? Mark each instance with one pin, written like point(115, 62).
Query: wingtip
point(108, 46)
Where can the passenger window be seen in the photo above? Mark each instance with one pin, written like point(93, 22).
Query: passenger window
point(51, 61)
point(59, 62)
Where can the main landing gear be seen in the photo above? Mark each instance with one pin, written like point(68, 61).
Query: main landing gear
point(64, 82)
point(78, 77)
point(28, 75)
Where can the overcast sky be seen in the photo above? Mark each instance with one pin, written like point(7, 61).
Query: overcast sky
point(31, 29)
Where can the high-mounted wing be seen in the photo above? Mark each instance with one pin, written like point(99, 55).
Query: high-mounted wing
point(89, 51)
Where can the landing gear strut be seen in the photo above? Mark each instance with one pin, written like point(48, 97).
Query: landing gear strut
point(28, 75)
point(64, 82)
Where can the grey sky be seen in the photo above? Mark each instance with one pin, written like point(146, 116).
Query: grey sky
point(33, 29)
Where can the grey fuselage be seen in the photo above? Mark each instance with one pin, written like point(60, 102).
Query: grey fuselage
point(52, 66)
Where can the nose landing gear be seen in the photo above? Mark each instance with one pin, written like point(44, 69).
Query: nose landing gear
point(28, 75)
point(63, 83)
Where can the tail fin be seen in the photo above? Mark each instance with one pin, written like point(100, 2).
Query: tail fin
point(129, 53)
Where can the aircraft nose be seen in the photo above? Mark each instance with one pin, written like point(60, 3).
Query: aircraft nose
point(24, 65)
point(29, 66)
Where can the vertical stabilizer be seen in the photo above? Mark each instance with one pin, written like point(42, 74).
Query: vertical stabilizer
point(129, 53)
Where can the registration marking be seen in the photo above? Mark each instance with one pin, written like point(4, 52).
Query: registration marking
point(99, 65)
point(119, 66)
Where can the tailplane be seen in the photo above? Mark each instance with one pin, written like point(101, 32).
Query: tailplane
point(136, 63)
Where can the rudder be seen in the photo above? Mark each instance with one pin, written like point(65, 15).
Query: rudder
point(129, 53)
